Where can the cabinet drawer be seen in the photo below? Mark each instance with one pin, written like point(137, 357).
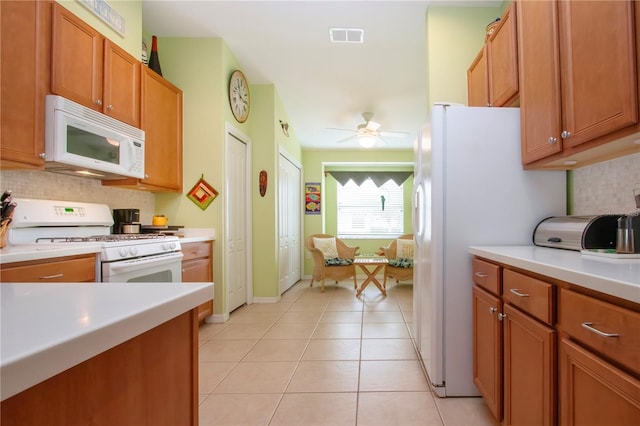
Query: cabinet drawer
point(196, 250)
point(71, 269)
point(487, 275)
point(607, 328)
point(529, 294)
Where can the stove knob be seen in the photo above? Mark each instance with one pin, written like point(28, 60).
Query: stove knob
point(134, 251)
point(124, 252)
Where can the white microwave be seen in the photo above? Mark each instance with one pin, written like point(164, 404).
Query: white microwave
point(82, 142)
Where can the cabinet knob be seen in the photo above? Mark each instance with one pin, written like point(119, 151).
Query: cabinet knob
point(99, 102)
point(493, 310)
point(502, 316)
point(552, 140)
point(109, 107)
point(565, 134)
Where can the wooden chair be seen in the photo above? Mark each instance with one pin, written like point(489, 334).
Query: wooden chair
point(401, 271)
point(325, 270)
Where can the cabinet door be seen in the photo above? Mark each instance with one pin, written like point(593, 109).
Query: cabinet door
point(502, 54)
point(593, 392)
point(477, 82)
point(162, 122)
point(599, 74)
point(77, 59)
point(529, 370)
point(25, 55)
point(539, 69)
point(487, 349)
point(121, 84)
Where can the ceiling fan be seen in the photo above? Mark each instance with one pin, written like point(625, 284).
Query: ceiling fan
point(368, 133)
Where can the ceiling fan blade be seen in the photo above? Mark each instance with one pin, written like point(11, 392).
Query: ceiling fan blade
point(394, 134)
point(347, 138)
point(341, 130)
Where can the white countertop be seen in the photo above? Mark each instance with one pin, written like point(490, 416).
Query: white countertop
point(616, 277)
point(48, 328)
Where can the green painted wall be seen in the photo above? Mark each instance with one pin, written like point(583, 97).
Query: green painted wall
point(454, 37)
point(267, 140)
point(130, 10)
point(195, 66)
point(313, 164)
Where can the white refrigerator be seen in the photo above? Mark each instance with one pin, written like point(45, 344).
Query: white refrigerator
point(470, 189)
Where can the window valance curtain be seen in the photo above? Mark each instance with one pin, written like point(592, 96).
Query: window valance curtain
point(379, 178)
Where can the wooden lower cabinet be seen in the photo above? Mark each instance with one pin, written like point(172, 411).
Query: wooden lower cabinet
point(487, 349)
point(151, 379)
point(529, 370)
point(81, 268)
point(548, 352)
point(197, 266)
point(593, 392)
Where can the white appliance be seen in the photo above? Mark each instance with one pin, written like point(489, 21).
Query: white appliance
point(82, 142)
point(122, 258)
point(470, 189)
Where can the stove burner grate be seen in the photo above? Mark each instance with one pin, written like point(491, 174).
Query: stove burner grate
point(100, 238)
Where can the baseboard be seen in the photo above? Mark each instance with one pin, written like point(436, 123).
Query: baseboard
point(217, 318)
point(266, 299)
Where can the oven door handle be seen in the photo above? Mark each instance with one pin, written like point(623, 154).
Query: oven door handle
point(142, 262)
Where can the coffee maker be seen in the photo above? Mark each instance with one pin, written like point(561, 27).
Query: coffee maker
point(628, 236)
point(126, 221)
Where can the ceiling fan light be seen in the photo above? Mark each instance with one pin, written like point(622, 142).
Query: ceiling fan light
point(366, 141)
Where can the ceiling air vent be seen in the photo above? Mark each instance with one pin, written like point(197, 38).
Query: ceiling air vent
point(346, 35)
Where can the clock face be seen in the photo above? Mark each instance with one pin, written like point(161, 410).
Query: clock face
point(239, 96)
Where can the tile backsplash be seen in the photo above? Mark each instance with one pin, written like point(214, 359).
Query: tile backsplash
point(606, 187)
point(55, 186)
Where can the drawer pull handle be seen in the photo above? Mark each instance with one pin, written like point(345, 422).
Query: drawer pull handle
point(589, 326)
point(50, 277)
point(481, 275)
point(517, 293)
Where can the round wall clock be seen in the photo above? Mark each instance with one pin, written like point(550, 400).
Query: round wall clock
point(239, 99)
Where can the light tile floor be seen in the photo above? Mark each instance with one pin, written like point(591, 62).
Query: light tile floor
point(323, 359)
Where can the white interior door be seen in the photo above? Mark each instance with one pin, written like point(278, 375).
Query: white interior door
point(237, 221)
point(289, 218)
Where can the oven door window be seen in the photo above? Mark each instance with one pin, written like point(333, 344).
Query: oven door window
point(165, 268)
point(155, 277)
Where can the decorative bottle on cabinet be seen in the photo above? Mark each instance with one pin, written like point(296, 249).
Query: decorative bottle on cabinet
point(154, 61)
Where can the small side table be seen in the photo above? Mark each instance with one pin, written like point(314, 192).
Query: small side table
point(378, 263)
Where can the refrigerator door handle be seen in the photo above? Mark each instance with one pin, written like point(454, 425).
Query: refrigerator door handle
point(418, 222)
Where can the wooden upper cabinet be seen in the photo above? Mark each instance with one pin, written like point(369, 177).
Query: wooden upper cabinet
point(121, 89)
point(162, 123)
point(161, 120)
point(538, 56)
point(598, 68)
point(477, 81)
point(578, 80)
point(76, 68)
point(89, 69)
point(502, 57)
point(25, 54)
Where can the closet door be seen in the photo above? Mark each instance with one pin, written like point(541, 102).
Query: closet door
point(289, 214)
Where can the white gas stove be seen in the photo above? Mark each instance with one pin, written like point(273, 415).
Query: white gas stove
point(123, 257)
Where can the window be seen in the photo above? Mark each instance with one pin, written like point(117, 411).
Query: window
point(361, 213)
